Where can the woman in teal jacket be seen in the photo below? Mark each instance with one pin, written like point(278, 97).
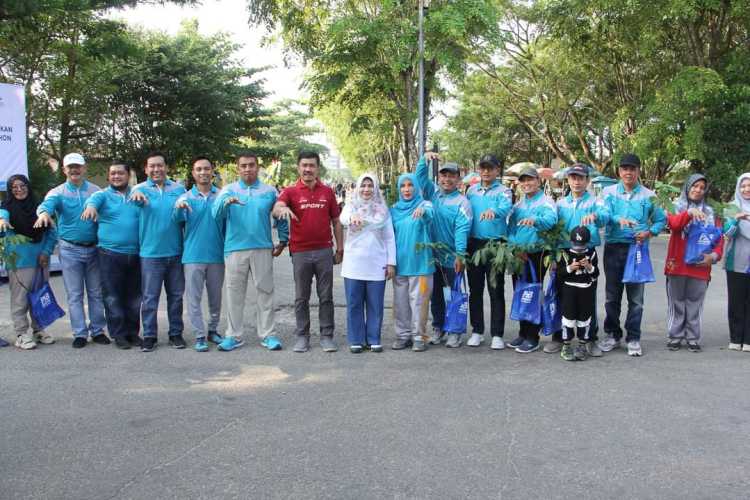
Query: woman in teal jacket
point(412, 285)
point(17, 217)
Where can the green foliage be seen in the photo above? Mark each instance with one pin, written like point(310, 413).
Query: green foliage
point(7, 256)
point(23, 9)
point(665, 193)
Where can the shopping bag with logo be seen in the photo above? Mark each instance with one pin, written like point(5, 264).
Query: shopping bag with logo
point(701, 239)
point(42, 302)
point(456, 310)
point(527, 299)
point(551, 314)
point(638, 265)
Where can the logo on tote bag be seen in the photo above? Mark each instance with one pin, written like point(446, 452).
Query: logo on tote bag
point(527, 296)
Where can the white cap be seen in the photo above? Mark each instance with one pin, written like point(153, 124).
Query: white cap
point(73, 159)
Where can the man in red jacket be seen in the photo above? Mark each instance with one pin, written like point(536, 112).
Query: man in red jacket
point(687, 283)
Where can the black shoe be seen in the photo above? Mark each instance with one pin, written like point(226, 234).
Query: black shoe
point(122, 343)
point(694, 347)
point(516, 342)
point(177, 342)
point(149, 344)
point(134, 340)
point(674, 344)
point(79, 342)
point(101, 339)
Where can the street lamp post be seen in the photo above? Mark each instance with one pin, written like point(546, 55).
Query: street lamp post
point(421, 133)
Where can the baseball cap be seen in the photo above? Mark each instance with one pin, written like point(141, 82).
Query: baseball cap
point(449, 167)
point(529, 172)
point(580, 237)
point(630, 160)
point(578, 169)
point(489, 161)
point(73, 159)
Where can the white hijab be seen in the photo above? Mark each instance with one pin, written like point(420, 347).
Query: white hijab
point(373, 212)
point(743, 205)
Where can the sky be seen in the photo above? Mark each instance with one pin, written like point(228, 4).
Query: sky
point(229, 16)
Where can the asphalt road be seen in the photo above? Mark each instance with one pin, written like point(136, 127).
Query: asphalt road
point(100, 423)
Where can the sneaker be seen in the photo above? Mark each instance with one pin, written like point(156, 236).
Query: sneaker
point(272, 343)
point(148, 344)
point(746, 348)
point(25, 342)
point(552, 347)
point(566, 352)
point(454, 340)
point(302, 344)
point(79, 342)
point(122, 343)
point(214, 337)
point(475, 340)
point(527, 346)
point(101, 339)
point(497, 343)
point(609, 343)
point(3, 342)
point(734, 347)
point(134, 340)
point(177, 341)
point(230, 343)
point(515, 342)
point(634, 348)
point(355, 349)
point(592, 349)
point(44, 338)
point(693, 346)
point(674, 344)
point(418, 346)
point(376, 348)
point(201, 345)
point(399, 344)
point(438, 336)
point(327, 344)
point(580, 352)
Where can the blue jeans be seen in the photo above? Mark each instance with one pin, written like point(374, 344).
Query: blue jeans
point(154, 273)
point(121, 284)
point(437, 302)
point(364, 311)
point(615, 255)
point(81, 268)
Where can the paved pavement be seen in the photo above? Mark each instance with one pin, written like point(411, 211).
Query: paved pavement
point(99, 423)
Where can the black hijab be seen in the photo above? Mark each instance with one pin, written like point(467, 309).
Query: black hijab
point(23, 212)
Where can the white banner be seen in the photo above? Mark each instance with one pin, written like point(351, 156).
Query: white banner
point(12, 132)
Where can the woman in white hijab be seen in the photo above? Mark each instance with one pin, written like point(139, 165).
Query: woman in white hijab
point(737, 264)
point(369, 260)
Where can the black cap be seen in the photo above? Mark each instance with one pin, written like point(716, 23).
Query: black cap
point(630, 160)
point(578, 169)
point(580, 237)
point(529, 172)
point(489, 161)
point(448, 167)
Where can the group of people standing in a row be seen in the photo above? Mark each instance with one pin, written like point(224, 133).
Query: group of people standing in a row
point(119, 247)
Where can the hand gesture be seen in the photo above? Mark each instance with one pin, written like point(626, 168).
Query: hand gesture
point(697, 214)
point(429, 155)
point(626, 223)
point(642, 236)
point(528, 222)
point(708, 260)
point(355, 220)
point(4, 225)
point(233, 200)
point(285, 212)
point(417, 213)
point(742, 215)
point(90, 214)
point(588, 219)
point(44, 220)
point(139, 196)
point(182, 204)
point(488, 214)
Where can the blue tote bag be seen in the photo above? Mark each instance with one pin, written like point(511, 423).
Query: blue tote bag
point(42, 303)
point(638, 265)
point(527, 299)
point(456, 311)
point(551, 314)
point(701, 239)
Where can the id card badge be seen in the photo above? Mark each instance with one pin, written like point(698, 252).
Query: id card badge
point(447, 294)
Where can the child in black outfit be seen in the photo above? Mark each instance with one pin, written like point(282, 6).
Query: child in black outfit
point(577, 271)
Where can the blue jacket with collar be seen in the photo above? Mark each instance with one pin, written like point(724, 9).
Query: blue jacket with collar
point(498, 198)
point(67, 203)
point(204, 235)
point(159, 234)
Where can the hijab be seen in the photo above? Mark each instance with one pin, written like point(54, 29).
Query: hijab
point(404, 208)
point(743, 205)
point(685, 203)
point(23, 212)
point(373, 212)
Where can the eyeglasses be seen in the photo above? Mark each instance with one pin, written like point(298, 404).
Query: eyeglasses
point(18, 187)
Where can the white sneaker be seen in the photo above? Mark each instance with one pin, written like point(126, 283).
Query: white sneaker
point(746, 348)
point(497, 343)
point(609, 343)
point(454, 340)
point(735, 347)
point(44, 338)
point(437, 337)
point(634, 348)
point(475, 340)
point(25, 341)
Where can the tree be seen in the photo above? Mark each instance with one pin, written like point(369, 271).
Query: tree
point(24, 9)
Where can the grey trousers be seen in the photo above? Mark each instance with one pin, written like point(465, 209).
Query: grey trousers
point(20, 282)
point(685, 301)
point(241, 267)
point(411, 297)
point(306, 265)
point(198, 276)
